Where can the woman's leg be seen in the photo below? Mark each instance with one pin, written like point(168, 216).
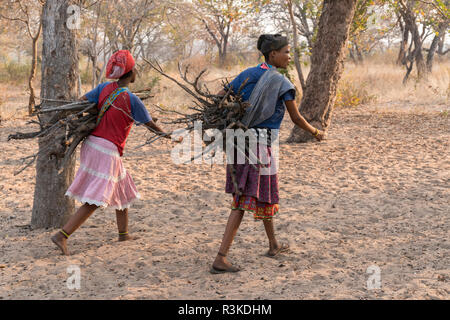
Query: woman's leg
point(274, 246)
point(122, 225)
point(75, 221)
point(234, 221)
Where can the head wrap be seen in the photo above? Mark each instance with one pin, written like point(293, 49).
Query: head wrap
point(270, 42)
point(120, 63)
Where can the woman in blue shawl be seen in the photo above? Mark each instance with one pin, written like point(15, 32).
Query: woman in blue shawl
point(269, 94)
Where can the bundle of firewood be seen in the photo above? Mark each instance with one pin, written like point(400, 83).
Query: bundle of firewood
point(211, 110)
point(63, 128)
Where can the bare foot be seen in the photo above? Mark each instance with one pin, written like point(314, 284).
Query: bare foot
point(221, 265)
point(61, 242)
point(276, 249)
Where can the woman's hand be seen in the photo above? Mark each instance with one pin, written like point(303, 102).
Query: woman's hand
point(169, 136)
point(319, 135)
point(179, 140)
point(297, 118)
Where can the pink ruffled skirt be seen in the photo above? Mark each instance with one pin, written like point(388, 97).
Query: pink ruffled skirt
point(102, 179)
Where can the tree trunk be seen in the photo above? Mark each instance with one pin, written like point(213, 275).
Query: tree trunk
point(59, 81)
point(224, 48)
point(326, 66)
point(407, 12)
point(359, 54)
point(32, 101)
point(298, 65)
point(441, 44)
point(418, 55)
point(431, 52)
point(352, 55)
point(401, 60)
point(94, 70)
point(435, 45)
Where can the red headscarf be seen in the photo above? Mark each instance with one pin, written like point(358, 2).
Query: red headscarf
point(120, 63)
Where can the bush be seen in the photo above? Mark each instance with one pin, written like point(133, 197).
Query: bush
point(352, 94)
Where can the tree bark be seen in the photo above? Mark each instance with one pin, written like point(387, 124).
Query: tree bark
point(406, 10)
point(435, 45)
point(326, 66)
point(59, 81)
point(297, 62)
point(418, 55)
point(401, 60)
point(441, 45)
point(359, 54)
point(32, 101)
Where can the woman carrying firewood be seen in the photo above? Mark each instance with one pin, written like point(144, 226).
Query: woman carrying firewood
point(269, 94)
point(101, 180)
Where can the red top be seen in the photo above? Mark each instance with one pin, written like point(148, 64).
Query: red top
point(116, 123)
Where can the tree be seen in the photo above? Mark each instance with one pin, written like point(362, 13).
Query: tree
point(221, 17)
point(440, 22)
point(135, 25)
point(414, 14)
point(373, 23)
point(180, 28)
point(90, 44)
point(29, 14)
point(123, 22)
point(59, 82)
point(358, 41)
point(326, 66)
point(306, 15)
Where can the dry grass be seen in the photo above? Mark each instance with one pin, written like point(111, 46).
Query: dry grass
point(384, 81)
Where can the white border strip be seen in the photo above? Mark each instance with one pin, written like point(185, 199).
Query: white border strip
point(102, 204)
point(112, 153)
point(102, 175)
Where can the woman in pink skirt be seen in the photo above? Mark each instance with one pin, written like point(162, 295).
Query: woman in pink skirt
point(101, 180)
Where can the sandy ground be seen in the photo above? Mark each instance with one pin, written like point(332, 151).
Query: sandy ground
point(376, 193)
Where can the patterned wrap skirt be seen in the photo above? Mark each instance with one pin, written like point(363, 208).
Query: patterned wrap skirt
point(259, 192)
point(102, 179)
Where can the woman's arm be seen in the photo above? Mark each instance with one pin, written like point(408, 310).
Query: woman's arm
point(153, 127)
point(297, 118)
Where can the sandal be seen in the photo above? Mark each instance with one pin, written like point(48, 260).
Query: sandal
point(215, 270)
point(283, 248)
point(231, 269)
